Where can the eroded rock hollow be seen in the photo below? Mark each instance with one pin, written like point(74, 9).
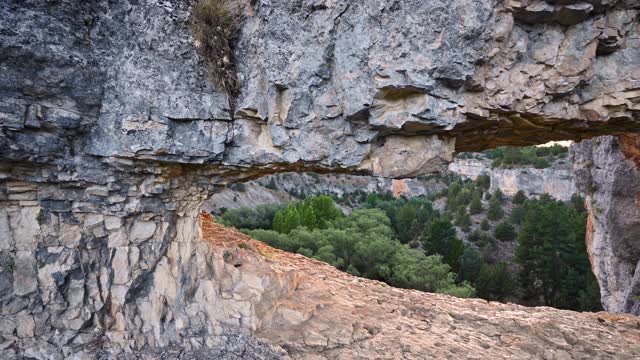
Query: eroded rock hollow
point(111, 138)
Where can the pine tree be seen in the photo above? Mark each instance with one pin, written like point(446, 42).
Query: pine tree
point(505, 232)
point(494, 282)
point(404, 221)
point(470, 264)
point(484, 225)
point(474, 236)
point(578, 203)
point(441, 239)
point(325, 210)
point(306, 215)
point(552, 256)
point(278, 222)
point(465, 223)
point(462, 211)
point(463, 197)
point(452, 196)
point(291, 219)
point(476, 203)
point(483, 182)
point(495, 211)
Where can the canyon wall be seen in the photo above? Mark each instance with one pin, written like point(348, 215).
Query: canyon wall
point(556, 180)
point(341, 184)
point(111, 137)
point(287, 187)
point(607, 172)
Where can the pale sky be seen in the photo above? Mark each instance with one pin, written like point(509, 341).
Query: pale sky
point(563, 143)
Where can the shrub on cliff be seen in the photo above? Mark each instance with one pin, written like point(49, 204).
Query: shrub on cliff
point(484, 225)
point(519, 197)
point(215, 24)
point(539, 157)
point(541, 163)
point(498, 194)
point(465, 223)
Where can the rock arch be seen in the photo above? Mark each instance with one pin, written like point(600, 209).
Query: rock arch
point(111, 138)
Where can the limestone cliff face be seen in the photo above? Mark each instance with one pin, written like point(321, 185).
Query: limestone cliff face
point(111, 138)
point(556, 180)
point(607, 173)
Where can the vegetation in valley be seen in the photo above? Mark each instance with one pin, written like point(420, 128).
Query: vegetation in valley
point(449, 242)
point(363, 243)
point(261, 217)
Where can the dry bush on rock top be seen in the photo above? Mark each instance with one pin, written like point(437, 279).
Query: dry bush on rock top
point(215, 24)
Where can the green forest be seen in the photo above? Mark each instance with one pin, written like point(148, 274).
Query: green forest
point(408, 243)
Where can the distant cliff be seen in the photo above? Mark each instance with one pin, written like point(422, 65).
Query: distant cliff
point(281, 188)
point(556, 180)
point(341, 184)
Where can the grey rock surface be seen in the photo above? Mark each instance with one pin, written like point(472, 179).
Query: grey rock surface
point(108, 125)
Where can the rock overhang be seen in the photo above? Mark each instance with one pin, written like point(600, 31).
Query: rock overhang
point(342, 78)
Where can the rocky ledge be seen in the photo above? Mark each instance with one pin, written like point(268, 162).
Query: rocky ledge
point(305, 309)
